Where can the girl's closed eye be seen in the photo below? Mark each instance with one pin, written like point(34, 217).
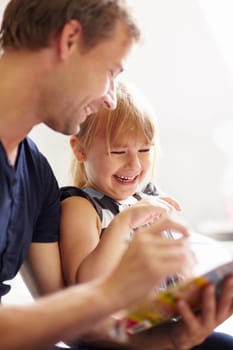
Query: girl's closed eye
point(144, 150)
point(118, 152)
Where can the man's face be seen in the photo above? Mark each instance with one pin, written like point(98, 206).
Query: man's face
point(87, 82)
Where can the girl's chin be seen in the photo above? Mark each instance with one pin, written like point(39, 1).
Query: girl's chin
point(125, 193)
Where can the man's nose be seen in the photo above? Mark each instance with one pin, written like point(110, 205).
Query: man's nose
point(109, 100)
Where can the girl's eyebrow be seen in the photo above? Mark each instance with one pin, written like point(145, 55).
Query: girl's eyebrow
point(124, 145)
point(119, 146)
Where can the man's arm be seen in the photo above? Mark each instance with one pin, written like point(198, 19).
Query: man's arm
point(69, 314)
point(64, 315)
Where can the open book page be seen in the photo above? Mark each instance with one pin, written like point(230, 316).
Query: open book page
point(214, 264)
point(209, 253)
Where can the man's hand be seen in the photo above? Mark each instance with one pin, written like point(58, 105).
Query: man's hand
point(194, 329)
point(149, 259)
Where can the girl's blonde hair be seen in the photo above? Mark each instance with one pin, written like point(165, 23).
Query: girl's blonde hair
point(131, 118)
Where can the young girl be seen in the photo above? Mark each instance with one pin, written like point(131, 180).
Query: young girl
point(114, 154)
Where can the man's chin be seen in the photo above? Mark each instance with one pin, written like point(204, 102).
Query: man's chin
point(83, 116)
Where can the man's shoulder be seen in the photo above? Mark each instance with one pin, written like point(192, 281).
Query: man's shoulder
point(36, 163)
point(30, 146)
point(32, 151)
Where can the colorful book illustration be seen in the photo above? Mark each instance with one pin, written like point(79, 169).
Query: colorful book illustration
point(163, 306)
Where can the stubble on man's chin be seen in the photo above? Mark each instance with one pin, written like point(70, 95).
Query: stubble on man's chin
point(63, 129)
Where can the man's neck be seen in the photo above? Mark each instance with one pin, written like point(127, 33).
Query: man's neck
point(12, 156)
point(18, 100)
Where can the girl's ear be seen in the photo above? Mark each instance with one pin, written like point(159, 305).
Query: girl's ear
point(77, 148)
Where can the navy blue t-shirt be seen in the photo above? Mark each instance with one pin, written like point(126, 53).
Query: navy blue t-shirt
point(29, 207)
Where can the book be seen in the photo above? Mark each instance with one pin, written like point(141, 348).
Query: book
point(162, 307)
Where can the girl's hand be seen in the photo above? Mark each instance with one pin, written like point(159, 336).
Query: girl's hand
point(146, 211)
point(171, 201)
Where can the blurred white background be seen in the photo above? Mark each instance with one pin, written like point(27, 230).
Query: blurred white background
point(184, 67)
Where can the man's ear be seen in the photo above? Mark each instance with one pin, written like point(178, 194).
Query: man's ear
point(77, 148)
point(69, 38)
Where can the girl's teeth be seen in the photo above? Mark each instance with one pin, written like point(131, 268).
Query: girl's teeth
point(126, 178)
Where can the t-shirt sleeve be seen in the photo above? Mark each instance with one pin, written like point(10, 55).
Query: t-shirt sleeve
point(48, 222)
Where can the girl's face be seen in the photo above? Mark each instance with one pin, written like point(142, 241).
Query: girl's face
point(119, 172)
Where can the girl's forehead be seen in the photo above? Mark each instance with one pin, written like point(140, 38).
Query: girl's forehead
point(115, 137)
point(129, 140)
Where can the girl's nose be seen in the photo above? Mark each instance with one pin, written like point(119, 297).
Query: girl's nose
point(134, 162)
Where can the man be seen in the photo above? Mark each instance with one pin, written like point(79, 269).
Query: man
point(57, 71)
point(60, 59)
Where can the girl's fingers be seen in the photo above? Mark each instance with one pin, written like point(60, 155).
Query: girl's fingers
point(171, 201)
point(167, 223)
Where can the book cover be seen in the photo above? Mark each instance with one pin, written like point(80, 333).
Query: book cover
point(162, 308)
